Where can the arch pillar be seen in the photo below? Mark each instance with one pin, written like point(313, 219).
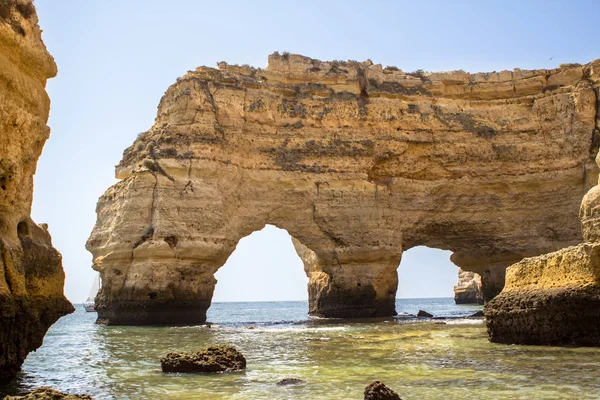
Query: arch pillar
point(491, 268)
point(348, 284)
point(157, 268)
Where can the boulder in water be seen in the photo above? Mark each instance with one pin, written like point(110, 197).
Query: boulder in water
point(291, 381)
point(46, 393)
point(210, 359)
point(379, 391)
point(478, 314)
point(424, 314)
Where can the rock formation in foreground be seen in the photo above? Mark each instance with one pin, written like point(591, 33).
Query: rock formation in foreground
point(554, 299)
point(45, 393)
point(358, 163)
point(210, 359)
point(468, 289)
point(31, 274)
point(379, 391)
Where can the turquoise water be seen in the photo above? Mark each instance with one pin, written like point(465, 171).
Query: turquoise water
point(336, 358)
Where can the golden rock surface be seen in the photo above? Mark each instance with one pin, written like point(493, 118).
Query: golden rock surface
point(31, 274)
point(358, 163)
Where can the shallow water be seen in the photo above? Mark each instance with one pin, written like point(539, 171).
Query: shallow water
point(337, 359)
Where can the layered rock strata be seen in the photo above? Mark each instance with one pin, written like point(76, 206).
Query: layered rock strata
point(468, 289)
point(31, 274)
point(554, 299)
point(358, 163)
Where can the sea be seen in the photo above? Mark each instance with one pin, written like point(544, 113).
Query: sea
point(448, 357)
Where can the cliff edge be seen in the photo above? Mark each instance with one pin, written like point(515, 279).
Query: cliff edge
point(31, 274)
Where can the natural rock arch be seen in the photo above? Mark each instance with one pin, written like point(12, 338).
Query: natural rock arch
point(357, 163)
point(264, 267)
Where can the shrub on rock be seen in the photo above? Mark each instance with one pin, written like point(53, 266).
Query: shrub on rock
point(210, 359)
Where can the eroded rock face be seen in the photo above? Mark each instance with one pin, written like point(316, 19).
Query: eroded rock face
point(31, 274)
point(554, 299)
point(357, 163)
point(551, 299)
point(468, 289)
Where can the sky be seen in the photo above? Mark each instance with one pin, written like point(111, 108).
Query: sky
point(116, 58)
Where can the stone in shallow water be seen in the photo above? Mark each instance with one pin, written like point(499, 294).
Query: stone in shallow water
point(46, 393)
point(378, 391)
point(291, 381)
point(424, 314)
point(210, 359)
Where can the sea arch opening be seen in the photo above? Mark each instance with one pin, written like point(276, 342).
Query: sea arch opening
point(263, 269)
point(428, 280)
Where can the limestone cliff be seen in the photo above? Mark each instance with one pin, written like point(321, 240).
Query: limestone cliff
point(468, 289)
point(358, 163)
point(554, 299)
point(31, 274)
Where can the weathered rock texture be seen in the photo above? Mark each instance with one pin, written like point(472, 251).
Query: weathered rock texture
point(45, 393)
point(551, 299)
point(31, 274)
point(211, 359)
point(357, 163)
point(468, 290)
point(554, 299)
point(379, 391)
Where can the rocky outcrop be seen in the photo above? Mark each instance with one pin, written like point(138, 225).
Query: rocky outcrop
point(379, 391)
point(45, 393)
point(554, 299)
point(358, 163)
point(211, 359)
point(468, 290)
point(31, 274)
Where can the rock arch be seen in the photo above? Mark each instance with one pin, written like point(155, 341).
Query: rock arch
point(357, 163)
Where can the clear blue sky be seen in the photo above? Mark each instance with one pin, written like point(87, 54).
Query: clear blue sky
point(116, 58)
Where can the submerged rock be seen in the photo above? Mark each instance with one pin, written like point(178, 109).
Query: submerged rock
point(210, 359)
point(424, 314)
point(291, 381)
point(478, 314)
point(46, 393)
point(379, 391)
